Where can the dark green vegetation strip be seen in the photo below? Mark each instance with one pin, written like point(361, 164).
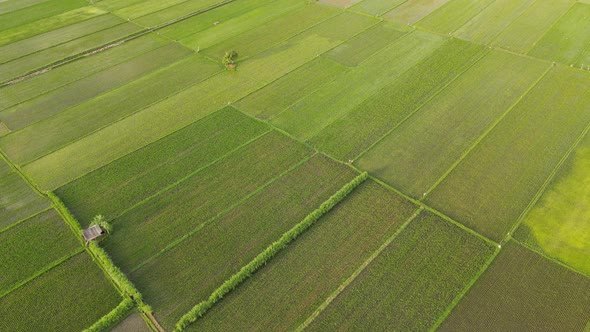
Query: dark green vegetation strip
point(443, 129)
point(76, 288)
point(53, 102)
point(113, 317)
point(313, 266)
point(17, 93)
point(521, 290)
point(559, 223)
point(217, 251)
point(79, 121)
point(260, 260)
point(38, 11)
point(18, 200)
point(345, 139)
point(151, 226)
point(564, 43)
point(30, 247)
point(267, 35)
point(56, 37)
point(127, 181)
point(287, 90)
point(495, 183)
point(398, 291)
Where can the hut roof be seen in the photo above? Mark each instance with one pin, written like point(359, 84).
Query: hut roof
point(92, 232)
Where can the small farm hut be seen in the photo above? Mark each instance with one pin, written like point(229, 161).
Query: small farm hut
point(92, 233)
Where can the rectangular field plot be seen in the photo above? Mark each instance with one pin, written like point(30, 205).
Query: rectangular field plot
point(565, 42)
point(301, 277)
point(235, 26)
point(37, 12)
point(180, 209)
point(367, 122)
point(69, 297)
point(127, 181)
point(218, 250)
point(421, 150)
point(135, 10)
point(47, 56)
point(287, 90)
point(173, 12)
point(311, 114)
point(53, 102)
point(30, 247)
point(18, 200)
point(412, 11)
point(559, 223)
point(488, 24)
point(376, 7)
point(10, 6)
point(47, 24)
point(411, 283)
point(359, 48)
point(522, 34)
point(140, 129)
point(452, 15)
point(56, 37)
point(523, 291)
point(81, 120)
point(34, 86)
point(206, 20)
point(284, 58)
point(493, 185)
point(267, 35)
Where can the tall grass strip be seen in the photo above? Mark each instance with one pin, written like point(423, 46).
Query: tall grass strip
point(109, 320)
point(246, 271)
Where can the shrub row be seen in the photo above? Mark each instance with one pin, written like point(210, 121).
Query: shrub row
point(246, 271)
point(116, 315)
point(119, 278)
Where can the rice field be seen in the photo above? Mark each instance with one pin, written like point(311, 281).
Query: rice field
point(231, 188)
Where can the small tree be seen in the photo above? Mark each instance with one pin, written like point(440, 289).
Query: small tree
point(229, 59)
point(99, 220)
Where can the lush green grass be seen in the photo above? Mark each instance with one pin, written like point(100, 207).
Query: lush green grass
point(32, 246)
point(55, 37)
point(206, 20)
point(69, 95)
point(311, 114)
point(452, 15)
point(494, 184)
point(523, 291)
point(522, 34)
point(267, 35)
point(411, 283)
point(559, 223)
point(18, 200)
point(300, 278)
point(174, 12)
point(45, 57)
point(139, 129)
point(421, 150)
point(74, 123)
point(150, 227)
point(237, 25)
point(112, 5)
point(357, 49)
point(412, 11)
point(127, 181)
point(47, 24)
point(220, 249)
point(60, 76)
point(563, 42)
point(491, 21)
point(376, 7)
point(287, 90)
point(4, 168)
point(367, 122)
point(70, 297)
point(37, 12)
point(135, 10)
point(10, 6)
